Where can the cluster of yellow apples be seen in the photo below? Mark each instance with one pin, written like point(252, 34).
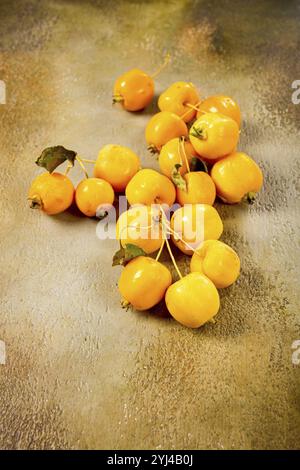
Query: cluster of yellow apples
point(196, 140)
point(197, 145)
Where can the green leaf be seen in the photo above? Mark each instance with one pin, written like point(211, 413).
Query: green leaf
point(52, 157)
point(126, 254)
point(177, 178)
point(198, 165)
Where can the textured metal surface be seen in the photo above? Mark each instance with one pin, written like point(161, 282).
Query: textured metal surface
point(81, 372)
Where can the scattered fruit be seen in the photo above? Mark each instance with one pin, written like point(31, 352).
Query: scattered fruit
point(117, 165)
point(51, 192)
point(140, 226)
point(180, 98)
point(143, 282)
point(194, 223)
point(200, 189)
point(134, 90)
point(218, 261)
point(220, 104)
point(150, 187)
point(236, 177)
point(92, 195)
point(163, 127)
point(193, 300)
point(214, 135)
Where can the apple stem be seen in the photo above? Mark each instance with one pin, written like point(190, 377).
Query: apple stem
point(162, 67)
point(160, 250)
point(182, 148)
point(172, 232)
point(142, 227)
point(68, 168)
point(192, 106)
point(82, 166)
point(172, 256)
point(165, 234)
point(86, 160)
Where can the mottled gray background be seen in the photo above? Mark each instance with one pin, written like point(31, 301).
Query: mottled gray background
point(81, 372)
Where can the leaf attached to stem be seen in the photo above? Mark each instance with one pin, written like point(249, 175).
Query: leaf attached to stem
point(126, 254)
point(52, 157)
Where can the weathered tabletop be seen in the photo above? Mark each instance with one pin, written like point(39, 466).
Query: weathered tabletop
point(80, 371)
